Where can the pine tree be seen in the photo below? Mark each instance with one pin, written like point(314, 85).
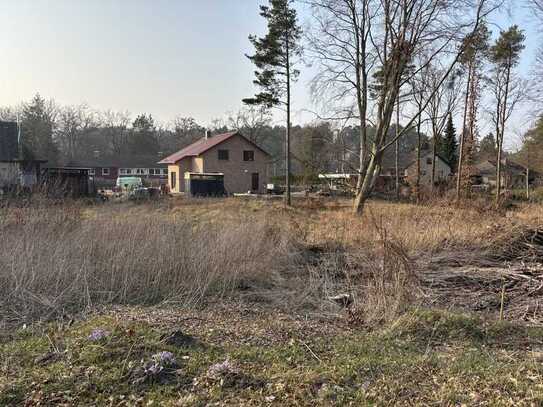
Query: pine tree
point(274, 58)
point(487, 148)
point(505, 56)
point(449, 145)
point(38, 118)
point(143, 139)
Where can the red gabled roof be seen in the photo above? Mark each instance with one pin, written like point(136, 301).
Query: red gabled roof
point(202, 145)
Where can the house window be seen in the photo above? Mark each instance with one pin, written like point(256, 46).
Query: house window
point(429, 161)
point(164, 171)
point(249, 155)
point(223, 155)
point(125, 171)
point(152, 171)
point(105, 171)
point(92, 172)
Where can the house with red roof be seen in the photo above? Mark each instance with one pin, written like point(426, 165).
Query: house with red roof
point(238, 161)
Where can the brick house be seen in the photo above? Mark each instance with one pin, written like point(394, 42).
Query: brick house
point(104, 170)
point(242, 163)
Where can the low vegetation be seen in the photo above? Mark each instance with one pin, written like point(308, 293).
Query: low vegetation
point(259, 304)
point(251, 357)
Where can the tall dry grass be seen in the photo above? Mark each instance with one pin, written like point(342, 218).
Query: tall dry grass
point(65, 258)
point(57, 260)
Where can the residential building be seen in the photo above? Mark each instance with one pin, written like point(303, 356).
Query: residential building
point(104, 170)
point(241, 163)
point(442, 169)
point(407, 168)
point(16, 169)
point(513, 174)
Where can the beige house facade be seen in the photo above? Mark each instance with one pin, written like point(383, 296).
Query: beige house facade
point(442, 170)
point(243, 164)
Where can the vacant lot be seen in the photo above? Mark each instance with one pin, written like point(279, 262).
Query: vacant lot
point(254, 283)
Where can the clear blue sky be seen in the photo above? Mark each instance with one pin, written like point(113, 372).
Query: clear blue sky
point(165, 57)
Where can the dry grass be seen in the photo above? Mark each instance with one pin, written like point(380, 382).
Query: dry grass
point(67, 258)
point(63, 259)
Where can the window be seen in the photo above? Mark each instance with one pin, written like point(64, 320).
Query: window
point(249, 155)
point(105, 171)
point(141, 171)
point(429, 161)
point(125, 171)
point(173, 180)
point(92, 172)
point(223, 155)
point(158, 171)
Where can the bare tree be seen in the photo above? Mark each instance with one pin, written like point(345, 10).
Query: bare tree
point(115, 127)
point(10, 113)
point(186, 130)
point(353, 37)
point(252, 121)
point(441, 103)
point(72, 123)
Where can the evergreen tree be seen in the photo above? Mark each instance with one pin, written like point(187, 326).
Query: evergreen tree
point(448, 146)
point(143, 140)
point(505, 56)
point(275, 54)
point(487, 148)
point(37, 125)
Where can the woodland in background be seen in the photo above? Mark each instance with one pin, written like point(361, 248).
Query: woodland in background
point(62, 134)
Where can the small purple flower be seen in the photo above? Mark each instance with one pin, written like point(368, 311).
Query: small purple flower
point(164, 358)
point(97, 335)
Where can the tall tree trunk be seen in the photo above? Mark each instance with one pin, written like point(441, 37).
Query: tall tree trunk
point(527, 183)
point(417, 184)
point(287, 141)
point(434, 153)
point(499, 137)
point(372, 171)
point(463, 136)
point(396, 148)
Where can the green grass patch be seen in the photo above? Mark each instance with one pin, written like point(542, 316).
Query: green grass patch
point(427, 357)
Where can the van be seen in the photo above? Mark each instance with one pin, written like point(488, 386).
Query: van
point(129, 183)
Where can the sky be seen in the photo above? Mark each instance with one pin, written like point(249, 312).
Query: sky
point(164, 57)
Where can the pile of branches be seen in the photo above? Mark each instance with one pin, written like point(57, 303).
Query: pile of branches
point(507, 278)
